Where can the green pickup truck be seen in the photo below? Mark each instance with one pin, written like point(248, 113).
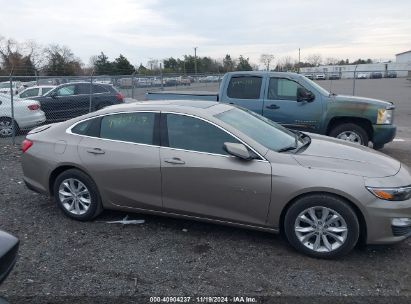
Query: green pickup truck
point(299, 103)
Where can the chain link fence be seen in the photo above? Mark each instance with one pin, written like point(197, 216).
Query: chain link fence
point(28, 101)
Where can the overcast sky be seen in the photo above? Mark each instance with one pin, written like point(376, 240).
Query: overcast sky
point(144, 29)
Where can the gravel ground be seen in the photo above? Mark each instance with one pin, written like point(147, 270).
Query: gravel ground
point(62, 257)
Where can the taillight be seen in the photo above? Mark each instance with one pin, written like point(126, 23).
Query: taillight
point(25, 145)
point(119, 97)
point(33, 107)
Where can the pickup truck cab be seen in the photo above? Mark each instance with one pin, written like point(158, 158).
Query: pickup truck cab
point(297, 102)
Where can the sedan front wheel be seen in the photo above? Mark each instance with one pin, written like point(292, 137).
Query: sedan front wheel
point(322, 226)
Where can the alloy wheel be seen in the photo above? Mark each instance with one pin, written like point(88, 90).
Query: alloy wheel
point(321, 229)
point(350, 136)
point(6, 127)
point(74, 196)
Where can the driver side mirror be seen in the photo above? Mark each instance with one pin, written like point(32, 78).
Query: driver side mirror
point(304, 95)
point(238, 150)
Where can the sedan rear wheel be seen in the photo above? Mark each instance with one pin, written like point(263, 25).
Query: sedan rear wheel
point(321, 225)
point(77, 195)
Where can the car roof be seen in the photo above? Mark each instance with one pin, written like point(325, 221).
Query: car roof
point(202, 108)
point(41, 86)
point(263, 73)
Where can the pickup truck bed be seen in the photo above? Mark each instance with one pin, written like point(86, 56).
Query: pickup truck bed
point(182, 95)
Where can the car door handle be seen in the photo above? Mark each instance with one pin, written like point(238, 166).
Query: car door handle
point(272, 107)
point(175, 161)
point(95, 151)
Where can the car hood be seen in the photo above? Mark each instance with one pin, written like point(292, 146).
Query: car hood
point(357, 99)
point(336, 155)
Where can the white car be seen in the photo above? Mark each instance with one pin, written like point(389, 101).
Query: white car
point(5, 87)
point(35, 91)
point(27, 114)
point(362, 76)
point(320, 76)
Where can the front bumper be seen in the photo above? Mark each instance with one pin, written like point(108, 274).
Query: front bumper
point(383, 134)
point(383, 218)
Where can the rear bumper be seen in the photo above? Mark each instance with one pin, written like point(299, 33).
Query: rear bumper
point(383, 134)
point(31, 121)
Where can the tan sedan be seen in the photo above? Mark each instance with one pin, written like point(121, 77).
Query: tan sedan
point(218, 163)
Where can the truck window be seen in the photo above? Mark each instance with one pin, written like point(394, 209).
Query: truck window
point(282, 88)
point(244, 87)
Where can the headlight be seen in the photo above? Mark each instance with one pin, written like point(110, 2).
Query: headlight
point(384, 116)
point(392, 194)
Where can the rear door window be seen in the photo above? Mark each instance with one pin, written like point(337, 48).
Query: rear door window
point(83, 89)
point(244, 87)
point(130, 127)
point(99, 89)
point(30, 93)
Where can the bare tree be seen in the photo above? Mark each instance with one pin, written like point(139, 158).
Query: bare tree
point(266, 59)
point(314, 59)
point(19, 58)
point(61, 61)
point(331, 61)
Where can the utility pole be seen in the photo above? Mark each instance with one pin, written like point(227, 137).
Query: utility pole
point(195, 60)
point(299, 60)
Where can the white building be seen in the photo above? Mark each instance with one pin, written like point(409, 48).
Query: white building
point(347, 71)
point(404, 57)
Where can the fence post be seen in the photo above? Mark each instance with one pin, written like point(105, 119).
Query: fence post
point(161, 77)
point(353, 85)
point(91, 92)
point(13, 125)
point(132, 84)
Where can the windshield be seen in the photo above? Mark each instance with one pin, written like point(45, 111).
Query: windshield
point(317, 86)
point(264, 131)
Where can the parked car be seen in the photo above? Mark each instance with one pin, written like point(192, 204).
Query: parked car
point(334, 76)
point(74, 99)
point(362, 75)
point(299, 103)
point(320, 76)
point(391, 74)
point(35, 91)
point(5, 87)
point(27, 114)
point(220, 163)
point(309, 76)
point(375, 75)
point(9, 247)
point(185, 81)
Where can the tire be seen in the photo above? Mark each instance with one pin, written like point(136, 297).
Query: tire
point(306, 243)
point(378, 146)
point(6, 129)
point(81, 210)
point(345, 129)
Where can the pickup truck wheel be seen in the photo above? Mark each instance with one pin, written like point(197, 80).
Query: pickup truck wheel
point(350, 132)
point(378, 146)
